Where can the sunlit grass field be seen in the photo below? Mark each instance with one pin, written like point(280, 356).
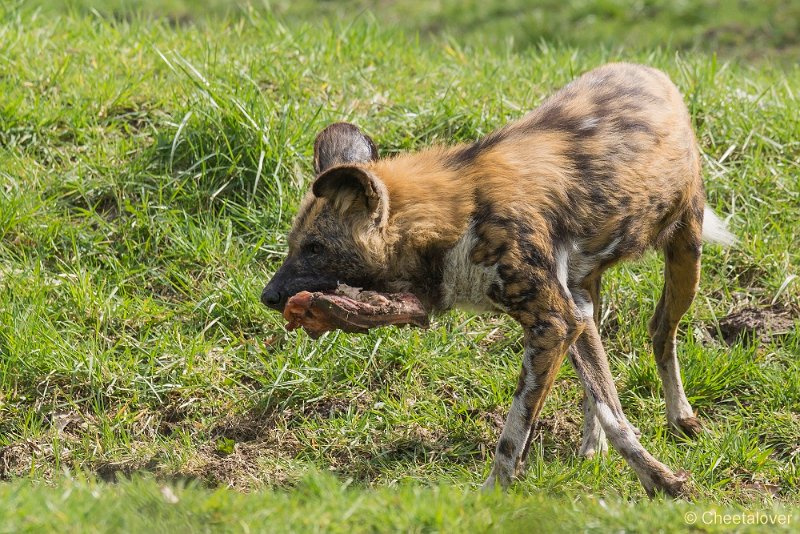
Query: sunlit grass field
point(149, 171)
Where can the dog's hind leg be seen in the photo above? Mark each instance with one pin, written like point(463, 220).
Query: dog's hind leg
point(591, 364)
point(594, 439)
point(681, 279)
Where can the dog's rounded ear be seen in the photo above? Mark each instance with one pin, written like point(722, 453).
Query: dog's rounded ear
point(342, 143)
point(354, 190)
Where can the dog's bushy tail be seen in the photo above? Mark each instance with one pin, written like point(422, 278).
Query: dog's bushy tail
point(715, 230)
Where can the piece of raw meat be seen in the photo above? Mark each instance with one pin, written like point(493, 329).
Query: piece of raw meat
point(352, 310)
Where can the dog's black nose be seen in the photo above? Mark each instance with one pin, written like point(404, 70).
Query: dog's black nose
point(272, 298)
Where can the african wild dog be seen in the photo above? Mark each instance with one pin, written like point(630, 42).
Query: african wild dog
point(525, 221)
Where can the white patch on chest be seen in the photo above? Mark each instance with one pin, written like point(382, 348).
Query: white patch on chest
point(465, 284)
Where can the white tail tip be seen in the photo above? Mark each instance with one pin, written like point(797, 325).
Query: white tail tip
point(715, 231)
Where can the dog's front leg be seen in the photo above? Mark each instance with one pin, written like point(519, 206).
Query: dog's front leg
point(547, 337)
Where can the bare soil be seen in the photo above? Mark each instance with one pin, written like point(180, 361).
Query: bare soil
point(757, 324)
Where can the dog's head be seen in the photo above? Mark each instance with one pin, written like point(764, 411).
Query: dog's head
point(338, 235)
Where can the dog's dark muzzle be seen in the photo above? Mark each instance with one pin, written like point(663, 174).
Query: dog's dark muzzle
point(288, 282)
point(273, 298)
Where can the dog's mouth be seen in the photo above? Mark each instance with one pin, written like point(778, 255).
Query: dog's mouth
point(276, 299)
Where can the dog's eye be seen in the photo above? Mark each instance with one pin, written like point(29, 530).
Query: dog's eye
point(314, 247)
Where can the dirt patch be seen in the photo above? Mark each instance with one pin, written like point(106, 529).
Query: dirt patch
point(24, 457)
point(328, 408)
point(758, 488)
point(43, 454)
point(242, 451)
point(753, 324)
point(246, 450)
point(558, 434)
point(17, 458)
point(250, 426)
point(248, 466)
point(420, 445)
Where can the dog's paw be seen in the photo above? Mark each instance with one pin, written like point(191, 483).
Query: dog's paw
point(676, 485)
point(688, 426)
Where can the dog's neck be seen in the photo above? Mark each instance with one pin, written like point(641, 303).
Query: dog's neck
point(430, 207)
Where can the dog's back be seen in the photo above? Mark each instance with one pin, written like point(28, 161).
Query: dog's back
point(610, 160)
point(602, 169)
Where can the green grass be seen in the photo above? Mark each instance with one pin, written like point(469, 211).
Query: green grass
point(322, 504)
point(755, 30)
point(148, 175)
